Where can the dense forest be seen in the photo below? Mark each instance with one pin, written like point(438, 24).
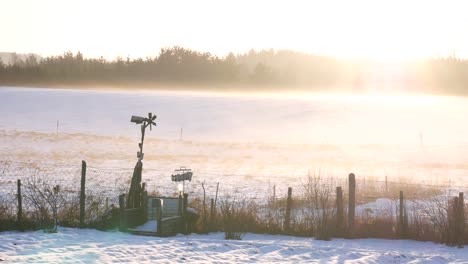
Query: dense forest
point(268, 69)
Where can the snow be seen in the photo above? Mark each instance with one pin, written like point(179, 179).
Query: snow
point(91, 246)
point(379, 205)
point(149, 226)
point(192, 211)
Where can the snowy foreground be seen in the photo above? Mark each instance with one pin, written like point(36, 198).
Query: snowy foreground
point(91, 246)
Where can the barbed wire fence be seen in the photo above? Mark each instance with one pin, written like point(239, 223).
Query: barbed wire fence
point(45, 187)
point(105, 184)
point(110, 182)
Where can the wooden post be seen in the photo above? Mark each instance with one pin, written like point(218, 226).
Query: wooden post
point(212, 215)
point(159, 208)
point(339, 211)
point(453, 222)
point(287, 218)
point(186, 227)
point(185, 203)
point(20, 207)
point(274, 193)
point(82, 192)
point(401, 217)
point(461, 219)
point(216, 197)
point(122, 224)
point(352, 203)
point(180, 205)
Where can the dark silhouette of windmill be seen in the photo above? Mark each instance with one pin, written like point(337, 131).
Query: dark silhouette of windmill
point(134, 199)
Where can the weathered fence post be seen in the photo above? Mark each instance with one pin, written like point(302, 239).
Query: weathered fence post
point(216, 197)
point(352, 203)
point(180, 205)
point(274, 193)
point(339, 211)
point(186, 227)
point(453, 224)
point(82, 192)
point(287, 218)
point(20, 207)
point(402, 222)
point(159, 217)
point(122, 223)
point(212, 215)
point(461, 219)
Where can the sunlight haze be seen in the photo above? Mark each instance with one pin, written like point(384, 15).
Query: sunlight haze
point(384, 30)
point(246, 131)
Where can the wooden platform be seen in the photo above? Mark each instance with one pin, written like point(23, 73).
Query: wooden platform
point(164, 217)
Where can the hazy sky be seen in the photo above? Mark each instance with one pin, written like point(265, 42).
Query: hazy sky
point(396, 29)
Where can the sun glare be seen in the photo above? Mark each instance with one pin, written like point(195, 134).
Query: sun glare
point(382, 30)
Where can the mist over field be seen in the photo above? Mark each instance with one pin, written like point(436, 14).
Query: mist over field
point(266, 137)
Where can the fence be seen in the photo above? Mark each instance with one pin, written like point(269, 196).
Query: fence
point(80, 194)
point(39, 190)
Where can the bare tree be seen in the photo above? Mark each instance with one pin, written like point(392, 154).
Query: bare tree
point(45, 199)
point(435, 209)
point(238, 217)
point(318, 192)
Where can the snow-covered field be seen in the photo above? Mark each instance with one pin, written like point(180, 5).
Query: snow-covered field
point(286, 118)
point(247, 142)
point(91, 246)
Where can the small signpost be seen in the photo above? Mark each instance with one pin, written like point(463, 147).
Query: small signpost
point(181, 175)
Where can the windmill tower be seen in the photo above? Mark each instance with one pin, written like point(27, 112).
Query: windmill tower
point(134, 199)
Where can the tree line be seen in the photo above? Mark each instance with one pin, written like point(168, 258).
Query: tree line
point(269, 69)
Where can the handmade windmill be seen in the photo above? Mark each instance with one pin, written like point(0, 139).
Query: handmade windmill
point(136, 189)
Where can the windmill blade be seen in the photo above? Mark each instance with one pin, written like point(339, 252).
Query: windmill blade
point(154, 117)
point(150, 116)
